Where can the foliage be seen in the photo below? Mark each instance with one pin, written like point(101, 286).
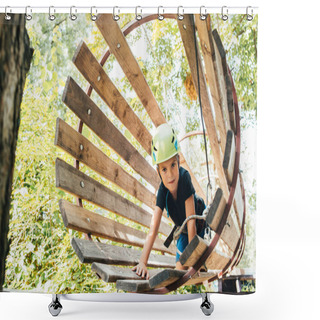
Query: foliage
point(41, 257)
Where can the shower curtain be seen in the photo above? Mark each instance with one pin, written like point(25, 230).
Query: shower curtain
point(40, 251)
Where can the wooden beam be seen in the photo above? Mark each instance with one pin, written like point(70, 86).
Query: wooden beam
point(79, 184)
point(86, 152)
point(186, 30)
point(83, 220)
point(193, 251)
point(92, 251)
point(204, 28)
point(229, 156)
point(224, 81)
point(113, 273)
point(133, 285)
point(91, 69)
point(76, 99)
point(165, 277)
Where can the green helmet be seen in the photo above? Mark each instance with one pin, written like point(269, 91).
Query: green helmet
point(164, 144)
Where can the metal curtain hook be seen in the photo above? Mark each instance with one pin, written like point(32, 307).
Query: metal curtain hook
point(51, 15)
point(180, 15)
point(73, 17)
point(6, 15)
point(203, 16)
point(160, 16)
point(249, 16)
point(116, 16)
point(138, 16)
point(224, 16)
point(28, 14)
point(93, 16)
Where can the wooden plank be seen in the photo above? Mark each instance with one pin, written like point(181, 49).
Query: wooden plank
point(186, 30)
point(204, 28)
point(83, 220)
point(79, 184)
point(193, 251)
point(76, 99)
point(229, 156)
point(86, 152)
point(216, 210)
point(133, 285)
point(165, 277)
point(102, 84)
point(217, 261)
point(231, 232)
point(113, 273)
point(224, 80)
point(118, 45)
point(200, 278)
point(92, 251)
point(238, 201)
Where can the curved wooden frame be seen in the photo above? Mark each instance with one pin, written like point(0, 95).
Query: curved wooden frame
point(237, 255)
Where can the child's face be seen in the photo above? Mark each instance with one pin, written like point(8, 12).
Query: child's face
point(169, 171)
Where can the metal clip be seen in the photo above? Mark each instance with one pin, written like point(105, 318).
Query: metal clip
point(6, 15)
point(138, 16)
point(160, 16)
point(180, 15)
point(51, 15)
point(28, 14)
point(203, 16)
point(249, 16)
point(116, 16)
point(224, 16)
point(73, 17)
point(93, 16)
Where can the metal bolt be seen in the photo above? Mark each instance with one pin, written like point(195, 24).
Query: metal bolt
point(88, 219)
point(81, 147)
point(118, 46)
point(89, 112)
point(184, 27)
point(99, 78)
point(82, 184)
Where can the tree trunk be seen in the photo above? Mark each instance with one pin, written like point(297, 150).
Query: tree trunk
point(15, 59)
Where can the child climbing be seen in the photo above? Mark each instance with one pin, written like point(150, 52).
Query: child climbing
point(176, 193)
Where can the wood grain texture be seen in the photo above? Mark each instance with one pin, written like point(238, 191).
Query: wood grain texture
point(193, 251)
point(186, 31)
point(86, 152)
point(204, 28)
point(133, 285)
point(79, 184)
point(113, 273)
point(77, 100)
point(92, 251)
point(217, 261)
point(165, 277)
point(216, 210)
point(229, 156)
point(80, 219)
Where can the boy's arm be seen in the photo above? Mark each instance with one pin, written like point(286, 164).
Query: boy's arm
point(141, 268)
point(191, 224)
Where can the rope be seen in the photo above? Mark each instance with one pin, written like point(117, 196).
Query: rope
point(201, 113)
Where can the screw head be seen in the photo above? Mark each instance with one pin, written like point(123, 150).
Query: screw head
point(82, 184)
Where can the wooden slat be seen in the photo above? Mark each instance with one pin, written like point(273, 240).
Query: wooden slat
point(113, 273)
point(165, 277)
point(119, 47)
point(204, 28)
point(71, 180)
point(229, 156)
point(238, 202)
point(76, 99)
point(193, 251)
point(91, 69)
point(217, 261)
point(83, 150)
point(231, 232)
point(92, 251)
point(133, 285)
point(224, 80)
point(83, 220)
point(187, 35)
point(200, 278)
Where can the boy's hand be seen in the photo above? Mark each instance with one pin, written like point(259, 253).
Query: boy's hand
point(141, 270)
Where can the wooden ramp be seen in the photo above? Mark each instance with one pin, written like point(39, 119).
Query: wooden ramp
point(126, 191)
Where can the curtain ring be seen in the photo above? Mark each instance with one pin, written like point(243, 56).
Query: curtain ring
point(138, 16)
point(51, 15)
point(203, 16)
point(73, 17)
point(180, 15)
point(116, 16)
point(6, 15)
point(28, 15)
point(93, 16)
point(249, 16)
point(160, 16)
point(224, 16)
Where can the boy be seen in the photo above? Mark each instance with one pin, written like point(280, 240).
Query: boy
point(176, 194)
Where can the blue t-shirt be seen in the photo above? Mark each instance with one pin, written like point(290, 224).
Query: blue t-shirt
point(177, 209)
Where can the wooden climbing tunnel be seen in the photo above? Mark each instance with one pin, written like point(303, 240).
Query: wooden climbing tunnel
point(226, 217)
